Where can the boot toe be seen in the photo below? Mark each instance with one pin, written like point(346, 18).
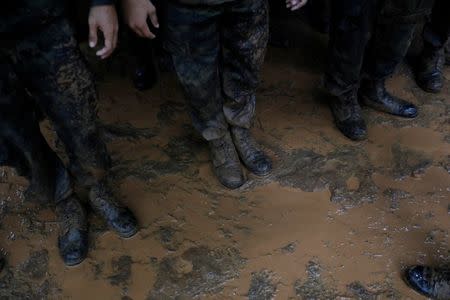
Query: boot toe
point(231, 177)
point(354, 130)
point(73, 247)
point(124, 224)
point(415, 277)
point(261, 166)
point(409, 111)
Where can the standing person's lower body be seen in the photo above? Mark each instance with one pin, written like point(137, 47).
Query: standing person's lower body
point(432, 59)
point(368, 39)
point(49, 65)
point(217, 52)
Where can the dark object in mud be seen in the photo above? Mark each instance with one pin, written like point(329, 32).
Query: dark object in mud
point(262, 286)
point(431, 282)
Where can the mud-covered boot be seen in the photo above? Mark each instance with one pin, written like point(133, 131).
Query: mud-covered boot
point(226, 163)
point(429, 70)
point(431, 282)
point(73, 236)
point(375, 95)
point(249, 151)
point(348, 116)
point(118, 217)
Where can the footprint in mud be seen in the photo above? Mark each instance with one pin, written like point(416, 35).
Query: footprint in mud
point(198, 271)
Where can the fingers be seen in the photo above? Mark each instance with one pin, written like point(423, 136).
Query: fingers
point(295, 4)
point(154, 18)
point(93, 38)
point(110, 44)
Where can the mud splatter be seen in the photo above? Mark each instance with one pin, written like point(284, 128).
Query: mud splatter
point(262, 286)
point(198, 271)
point(314, 286)
point(122, 270)
point(408, 162)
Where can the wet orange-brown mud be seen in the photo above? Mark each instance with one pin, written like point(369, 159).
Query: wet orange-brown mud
point(336, 219)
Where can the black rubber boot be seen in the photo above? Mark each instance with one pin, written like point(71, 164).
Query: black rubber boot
point(248, 149)
point(348, 116)
point(73, 237)
point(118, 217)
point(374, 94)
point(430, 66)
point(226, 163)
point(431, 282)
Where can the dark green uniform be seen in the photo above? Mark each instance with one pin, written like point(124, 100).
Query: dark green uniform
point(39, 55)
point(217, 48)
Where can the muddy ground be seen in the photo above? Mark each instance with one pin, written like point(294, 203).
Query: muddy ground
point(336, 219)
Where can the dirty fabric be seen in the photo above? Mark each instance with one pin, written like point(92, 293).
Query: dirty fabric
point(48, 64)
point(217, 52)
point(369, 39)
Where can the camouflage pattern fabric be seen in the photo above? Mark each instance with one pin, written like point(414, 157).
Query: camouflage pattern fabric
point(48, 64)
point(217, 52)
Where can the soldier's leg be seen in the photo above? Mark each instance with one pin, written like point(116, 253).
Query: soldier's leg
point(25, 148)
point(58, 77)
point(432, 60)
point(193, 41)
point(395, 26)
point(351, 25)
point(245, 31)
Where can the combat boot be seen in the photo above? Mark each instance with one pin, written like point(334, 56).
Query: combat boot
point(348, 116)
point(118, 217)
point(73, 236)
point(431, 282)
point(373, 93)
point(226, 163)
point(429, 74)
point(248, 149)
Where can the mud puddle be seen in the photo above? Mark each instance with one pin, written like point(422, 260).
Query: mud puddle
point(336, 219)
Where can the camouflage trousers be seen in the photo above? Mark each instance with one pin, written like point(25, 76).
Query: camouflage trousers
point(369, 39)
point(46, 66)
point(217, 52)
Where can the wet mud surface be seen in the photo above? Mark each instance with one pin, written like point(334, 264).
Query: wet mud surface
point(335, 220)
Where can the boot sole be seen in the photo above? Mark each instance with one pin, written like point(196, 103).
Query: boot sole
point(127, 235)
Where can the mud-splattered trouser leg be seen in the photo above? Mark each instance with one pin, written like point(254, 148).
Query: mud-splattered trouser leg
point(351, 26)
point(217, 52)
point(395, 25)
point(55, 73)
point(22, 145)
point(437, 30)
point(369, 37)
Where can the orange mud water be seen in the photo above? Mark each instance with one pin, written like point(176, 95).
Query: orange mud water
point(336, 219)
